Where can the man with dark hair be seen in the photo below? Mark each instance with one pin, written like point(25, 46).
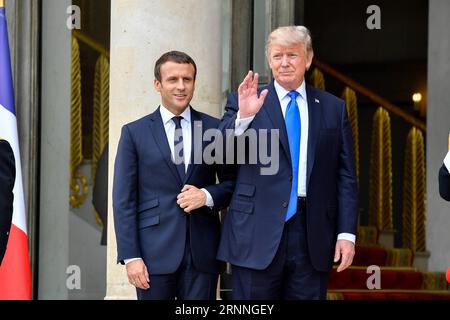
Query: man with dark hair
point(7, 179)
point(166, 208)
point(177, 57)
point(444, 176)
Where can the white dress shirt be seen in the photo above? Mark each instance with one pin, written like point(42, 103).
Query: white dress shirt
point(302, 101)
point(447, 161)
point(169, 127)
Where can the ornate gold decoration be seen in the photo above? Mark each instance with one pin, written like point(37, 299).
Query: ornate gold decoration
point(434, 281)
point(335, 296)
point(101, 111)
point(367, 235)
point(78, 183)
point(380, 193)
point(101, 116)
point(398, 257)
point(372, 96)
point(351, 102)
point(317, 80)
point(90, 42)
point(98, 220)
point(414, 192)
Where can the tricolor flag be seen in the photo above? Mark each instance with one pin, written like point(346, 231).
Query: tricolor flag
point(15, 277)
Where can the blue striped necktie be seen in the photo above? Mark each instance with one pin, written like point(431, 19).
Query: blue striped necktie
point(293, 127)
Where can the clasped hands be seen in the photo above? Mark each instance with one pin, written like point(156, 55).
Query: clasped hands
point(191, 198)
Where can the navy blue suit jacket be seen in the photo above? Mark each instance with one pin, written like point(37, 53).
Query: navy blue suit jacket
point(444, 183)
point(148, 221)
point(254, 224)
point(7, 179)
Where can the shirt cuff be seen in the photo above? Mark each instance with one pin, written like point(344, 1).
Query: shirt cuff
point(209, 200)
point(347, 236)
point(241, 124)
point(131, 259)
point(447, 161)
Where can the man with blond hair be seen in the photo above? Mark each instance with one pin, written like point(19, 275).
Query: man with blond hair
point(283, 231)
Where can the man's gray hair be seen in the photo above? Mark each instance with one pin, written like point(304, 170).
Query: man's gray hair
point(291, 35)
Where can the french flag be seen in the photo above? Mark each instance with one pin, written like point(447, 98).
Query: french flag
point(15, 277)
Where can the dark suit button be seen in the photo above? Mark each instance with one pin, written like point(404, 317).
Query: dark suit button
point(290, 178)
point(285, 204)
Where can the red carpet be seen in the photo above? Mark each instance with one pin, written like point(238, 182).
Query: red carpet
point(398, 279)
point(367, 256)
point(390, 279)
point(393, 295)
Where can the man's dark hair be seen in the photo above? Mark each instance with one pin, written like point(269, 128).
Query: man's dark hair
point(174, 56)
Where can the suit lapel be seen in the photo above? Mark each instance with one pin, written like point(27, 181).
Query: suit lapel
point(195, 119)
point(314, 115)
point(273, 109)
point(157, 129)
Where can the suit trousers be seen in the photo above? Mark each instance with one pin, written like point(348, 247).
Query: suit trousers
point(187, 283)
point(290, 275)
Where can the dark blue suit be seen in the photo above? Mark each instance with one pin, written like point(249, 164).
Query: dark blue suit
point(148, 221)
point(444, 183)
point(255, 224)
point(7, 179)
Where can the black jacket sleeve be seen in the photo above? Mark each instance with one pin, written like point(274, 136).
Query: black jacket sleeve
point(444, 183)
point(7, 179)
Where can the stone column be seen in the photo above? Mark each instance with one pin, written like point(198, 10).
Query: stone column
point(438, 128)
point(55, 144)
point(141, 31)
